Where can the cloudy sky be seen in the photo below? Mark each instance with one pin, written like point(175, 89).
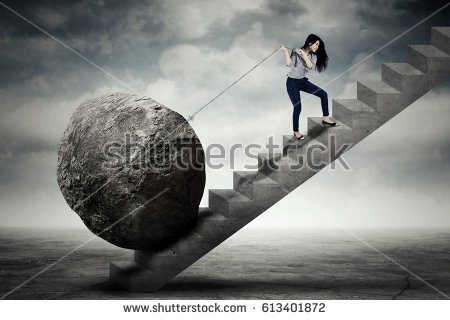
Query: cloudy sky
point(56, 54)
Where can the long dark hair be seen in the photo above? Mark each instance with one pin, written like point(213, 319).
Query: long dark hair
point(322, 57)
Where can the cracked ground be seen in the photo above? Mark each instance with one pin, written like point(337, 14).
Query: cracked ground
point(253, 264)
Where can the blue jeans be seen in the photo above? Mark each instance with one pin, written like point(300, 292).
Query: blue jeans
point(294, 86)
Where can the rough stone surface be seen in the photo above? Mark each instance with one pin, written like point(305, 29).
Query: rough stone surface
point(104, 184)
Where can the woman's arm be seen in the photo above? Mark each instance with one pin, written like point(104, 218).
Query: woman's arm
point(286, 54)
point(288, 59)
point(309, 64)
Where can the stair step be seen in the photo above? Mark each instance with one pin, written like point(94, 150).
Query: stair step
point(208, 213)
point(330, 136)
point(267, 161)
point(210, 229)
point(136, 278)
point(440, 38)
point(356, 114)
point(404, 77)
point(189, 242)
point(379, 96)
point(212, 224)
point(268, 164)
point(245, 182)
point(292, 173)
point(232, 204)
point(428, 59)
point(182, 253)
point(260, 188)
point(308, 149)
point(159, 263)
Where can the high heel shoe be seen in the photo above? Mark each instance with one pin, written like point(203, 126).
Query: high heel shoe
point(331, 124)
point(299, 138)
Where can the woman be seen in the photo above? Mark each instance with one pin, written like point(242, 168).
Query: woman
point(300, 61)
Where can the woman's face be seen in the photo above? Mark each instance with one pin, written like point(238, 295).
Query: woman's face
point(315, 46)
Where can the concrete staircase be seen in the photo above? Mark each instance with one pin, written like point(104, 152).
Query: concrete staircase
point(279, 173)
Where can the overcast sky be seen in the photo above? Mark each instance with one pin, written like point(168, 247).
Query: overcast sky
point(182, 54)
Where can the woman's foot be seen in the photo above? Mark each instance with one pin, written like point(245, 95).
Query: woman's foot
point(298, 135)
point(327, 121)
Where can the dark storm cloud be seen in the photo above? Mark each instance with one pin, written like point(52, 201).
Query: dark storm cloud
point(289, 7)
point(102, 31)
point(386, 19)
point(110, 33)
point(394, 14)
point(78, 17)
point(107, 32)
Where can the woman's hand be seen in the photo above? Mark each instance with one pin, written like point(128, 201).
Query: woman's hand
point(283, 48)
point(300, 52)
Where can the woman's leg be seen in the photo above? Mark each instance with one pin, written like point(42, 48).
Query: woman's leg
point(294, 94)
point(318, 92)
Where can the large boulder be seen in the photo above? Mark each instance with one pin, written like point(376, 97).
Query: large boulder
point(125, 168)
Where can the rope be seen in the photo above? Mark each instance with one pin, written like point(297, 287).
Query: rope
point(191, 117)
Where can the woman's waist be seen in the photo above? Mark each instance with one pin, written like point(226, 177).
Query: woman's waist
point(290, 78)
point(297, 73)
